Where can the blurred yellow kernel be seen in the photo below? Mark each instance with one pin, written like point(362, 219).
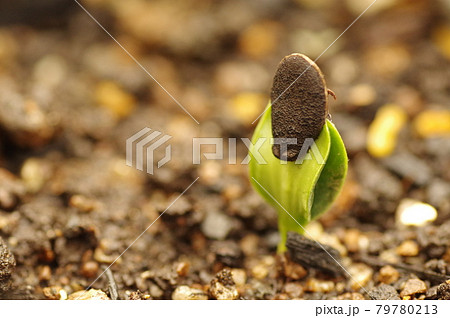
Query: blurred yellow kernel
point(246, 107)
point(432, 123)
point(383, 131)
point(114, 98)
point(441, 38)
point(260, 39)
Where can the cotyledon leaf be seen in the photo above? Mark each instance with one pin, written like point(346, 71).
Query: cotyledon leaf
point(333, 174)
point(288, 185)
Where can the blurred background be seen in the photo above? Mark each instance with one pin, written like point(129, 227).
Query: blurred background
point(70, 97)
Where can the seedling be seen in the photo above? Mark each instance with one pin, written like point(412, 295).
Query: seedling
point(306, 160)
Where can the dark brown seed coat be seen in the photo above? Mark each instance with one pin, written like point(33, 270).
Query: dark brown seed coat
point(299, 103)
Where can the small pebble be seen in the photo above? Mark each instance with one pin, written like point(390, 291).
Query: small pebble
point(45, 273)
point(408, 248)
point(83, 203)
point(232, 192)
point(263, 267)
point(249, 244)
point(223, 287)
point(293, 290)
point(34, 174)
point(91, 294)
point(7, 265)
point(239, 276)
point(89, 269)
point(340, 287)
point(319, 286)
point(384, 292)
point(101, 257)
point(216, 225)
point(360, 274)
point(388, 274)
point(54, 293)
point(413, 286)
point(333, 241)
point(354, 240)
point(414, 213)
point(438, 265)
point(432, 293)
point(350, 296)
point(281, 296)
point(443, 291)
point(389, 256)
point(155, 291)
point(136, 295)
point(26, 121)
point(184, 292)
point(182, 268)
point(227, 253)
point(260, 271)
point(293, 270)
point(112, 97)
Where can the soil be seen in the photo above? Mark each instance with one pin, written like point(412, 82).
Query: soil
point(70, 97)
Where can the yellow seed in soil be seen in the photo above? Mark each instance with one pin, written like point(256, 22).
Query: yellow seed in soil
point(432, 123)
point(383, 131)
point(246, 107)
point(114, 98)
point(441, 38)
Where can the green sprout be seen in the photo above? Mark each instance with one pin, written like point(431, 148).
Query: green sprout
point(300, 180)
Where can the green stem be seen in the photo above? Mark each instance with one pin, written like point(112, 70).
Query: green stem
point(286, 224)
